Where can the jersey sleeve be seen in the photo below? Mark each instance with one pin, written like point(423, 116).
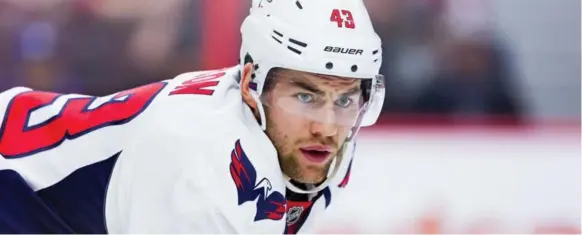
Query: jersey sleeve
point(45, 136)
point(34, 122)
point(57, 152)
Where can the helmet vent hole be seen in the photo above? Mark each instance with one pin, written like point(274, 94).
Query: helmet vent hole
point(277, 36)
point(298, 4)
point(294, 50)
point(248, 59)
point(354, 68)
point(276, 39)
point(298, 43)
point(329, 65)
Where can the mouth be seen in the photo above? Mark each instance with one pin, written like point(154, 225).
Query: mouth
point(316, 154)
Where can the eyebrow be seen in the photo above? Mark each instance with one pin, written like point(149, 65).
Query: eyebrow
point(353, 91)
point(312, 88)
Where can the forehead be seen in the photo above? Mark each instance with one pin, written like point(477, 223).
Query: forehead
point(292, 77)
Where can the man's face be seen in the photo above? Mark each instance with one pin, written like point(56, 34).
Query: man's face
point(308, 120)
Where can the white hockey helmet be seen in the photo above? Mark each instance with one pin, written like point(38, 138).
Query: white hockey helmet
point(327, 37)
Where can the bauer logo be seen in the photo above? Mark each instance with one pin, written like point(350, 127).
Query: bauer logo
point(270, 203)
point(343, 50)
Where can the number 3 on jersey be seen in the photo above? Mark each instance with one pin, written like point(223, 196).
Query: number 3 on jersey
point(37, 121)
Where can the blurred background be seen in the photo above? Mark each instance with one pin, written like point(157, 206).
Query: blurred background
point(481, 124)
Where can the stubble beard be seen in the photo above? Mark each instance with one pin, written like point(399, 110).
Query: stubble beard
point(289, 159)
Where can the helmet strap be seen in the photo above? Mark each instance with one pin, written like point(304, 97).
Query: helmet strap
point(261, 109)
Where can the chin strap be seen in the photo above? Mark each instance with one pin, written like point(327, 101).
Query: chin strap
point(263, 120)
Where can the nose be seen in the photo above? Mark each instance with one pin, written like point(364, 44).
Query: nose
point(323, 129)
point(325, 126)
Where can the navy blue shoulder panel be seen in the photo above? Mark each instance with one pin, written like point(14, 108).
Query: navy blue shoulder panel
point(22, 211)
point(75, 204)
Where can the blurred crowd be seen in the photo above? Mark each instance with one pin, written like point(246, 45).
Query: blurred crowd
point(432, 64)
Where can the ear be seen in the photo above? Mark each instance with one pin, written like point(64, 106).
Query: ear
point(245, 81)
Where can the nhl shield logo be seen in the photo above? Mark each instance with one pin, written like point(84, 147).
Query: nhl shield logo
point(294, 214)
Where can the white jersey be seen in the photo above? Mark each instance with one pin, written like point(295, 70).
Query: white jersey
point(184, 155)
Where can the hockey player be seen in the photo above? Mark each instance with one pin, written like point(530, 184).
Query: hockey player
point(263, 147)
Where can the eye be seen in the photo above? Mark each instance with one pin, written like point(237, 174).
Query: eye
point(304, 97)
point(344, 101)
